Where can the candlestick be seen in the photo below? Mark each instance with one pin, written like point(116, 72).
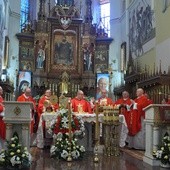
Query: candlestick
point(96, 159)
point(69, 130)
point(97, 120)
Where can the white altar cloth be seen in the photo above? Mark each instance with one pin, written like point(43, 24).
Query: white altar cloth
point(89, 118)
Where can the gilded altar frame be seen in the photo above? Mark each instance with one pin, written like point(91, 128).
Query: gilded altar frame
point(64, 49)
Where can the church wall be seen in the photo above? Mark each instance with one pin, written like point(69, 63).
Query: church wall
point(13, 28)
point(118, 33)
point(162, 34)
point(162, 22)
point(147, 61)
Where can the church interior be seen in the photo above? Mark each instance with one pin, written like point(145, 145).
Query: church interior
point(71, 50)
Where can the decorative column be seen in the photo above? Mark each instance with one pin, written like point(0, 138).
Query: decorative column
point(8, 131)
point(148, 137)
point(155, 137)
point(26, 135)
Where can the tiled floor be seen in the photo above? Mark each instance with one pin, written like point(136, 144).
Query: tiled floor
point(128, 160)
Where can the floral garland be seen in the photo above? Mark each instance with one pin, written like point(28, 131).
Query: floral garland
point(15, 156)
point(163, 152)
point(62, 144)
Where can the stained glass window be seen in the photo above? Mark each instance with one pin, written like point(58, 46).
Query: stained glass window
point(24, 13)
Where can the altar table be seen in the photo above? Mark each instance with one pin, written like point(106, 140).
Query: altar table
point(88, 119)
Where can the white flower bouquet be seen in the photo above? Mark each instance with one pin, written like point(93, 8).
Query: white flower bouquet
point(62, 144)
point(15, 156)
point(163, 152)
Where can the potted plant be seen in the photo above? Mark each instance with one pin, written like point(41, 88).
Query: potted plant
point(163, 152)
point(15, 156)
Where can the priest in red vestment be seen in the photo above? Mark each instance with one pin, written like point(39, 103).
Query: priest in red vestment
point(149, 100)
point(46, 99)
point(79, 104)
point(136, 137)
point(26, 97)
point(124, 105)
point(104, 100)
point(2, 124)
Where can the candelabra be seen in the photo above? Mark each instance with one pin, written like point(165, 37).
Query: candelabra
point(69, 159)
point(111, 135)
point(96, 158)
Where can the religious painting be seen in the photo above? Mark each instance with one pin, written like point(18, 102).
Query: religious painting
point(101, 53)
point(26, 65)
point(27, 52)
point(123, 58)
point(24, 81)
point(100, 68)
point(65, 48)
point(141, 27)
point(101, 56)
point(102, 84)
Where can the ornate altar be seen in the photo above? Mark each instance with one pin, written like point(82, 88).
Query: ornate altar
point(62, 44)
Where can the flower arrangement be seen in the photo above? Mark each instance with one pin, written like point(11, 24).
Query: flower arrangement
point(15, 155)
point(163, 152)
point(61, 124)
point(63, 145)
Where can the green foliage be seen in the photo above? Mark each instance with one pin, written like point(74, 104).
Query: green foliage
point(163, 152)
point(15, 155)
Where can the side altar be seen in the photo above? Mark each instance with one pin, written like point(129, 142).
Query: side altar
point(157, 123)
point(18, 118)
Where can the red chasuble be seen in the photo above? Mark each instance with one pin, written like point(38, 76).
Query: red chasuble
point(41, 105)
point(2, 124)
point(134, 121)
point(80, 103)
point(108, 100)
point(125, 108)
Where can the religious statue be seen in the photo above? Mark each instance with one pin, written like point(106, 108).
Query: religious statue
point(88, 54)
point(40, 53)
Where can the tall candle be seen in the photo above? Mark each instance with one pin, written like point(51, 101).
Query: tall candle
point(69, 119)
point(97, 121)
